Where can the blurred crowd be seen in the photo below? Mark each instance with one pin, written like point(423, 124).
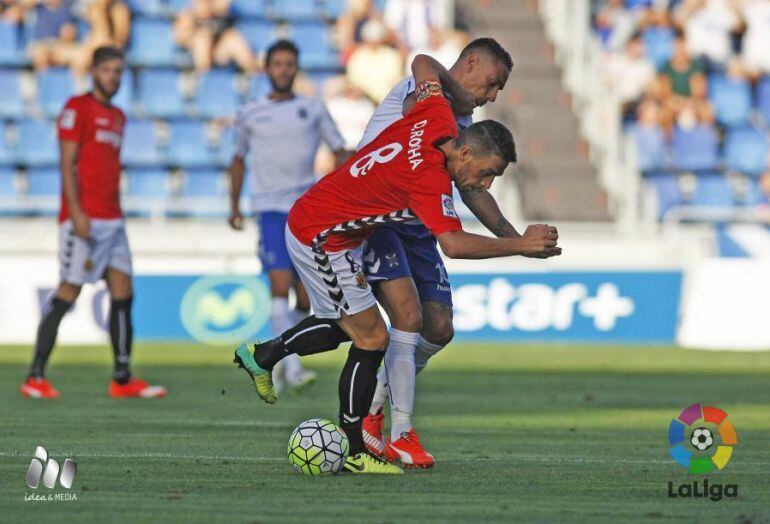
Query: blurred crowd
point(689, 69)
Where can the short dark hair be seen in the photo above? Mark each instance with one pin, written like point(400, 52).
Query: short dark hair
point(281, 45)
point(491, 46)
point(488, 137)
point(106, 52)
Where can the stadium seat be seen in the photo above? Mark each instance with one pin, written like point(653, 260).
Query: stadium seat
point(259, 87)
point(695, 149)
point(216, 96)
point(159, 93)
point(316, 47)
point(746, 151)
point(204, 183)
point(7, 182)
point(148, 8)
point(152, 43)
point(37, 144)
point(333, 9)
point(667, 190)
point(731, 99)
point(189, 146)
point(43, 181)
point(124, 98)
point(650, 147)
point(259, 34)
point(763, 98)
point(226, 147)
point(249, 8)
point(178, 5)
point(55, 86)
point(7, 155)
point(713, 189)
point(658, 44)
point(147, 183)
point(11, 51)
point(140, 144)
point(296, 10)
point(752, 194)
point(11, 101)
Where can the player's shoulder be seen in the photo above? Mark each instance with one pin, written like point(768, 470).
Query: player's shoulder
point(78, 101)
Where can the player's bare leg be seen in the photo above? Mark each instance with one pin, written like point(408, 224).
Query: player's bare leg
point(36, 385)
point(123, 384)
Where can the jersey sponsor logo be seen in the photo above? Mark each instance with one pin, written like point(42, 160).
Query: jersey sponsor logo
point(105, 136)
point(363, 165)
point(67, 119)
point(448, 206)
point(415, 144)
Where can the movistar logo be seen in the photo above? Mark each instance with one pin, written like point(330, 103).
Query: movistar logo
point(226, 309)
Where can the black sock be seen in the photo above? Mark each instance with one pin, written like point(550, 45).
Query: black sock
point(312, 335)
point(121, 336)
point(357, 383)
point(46, 335)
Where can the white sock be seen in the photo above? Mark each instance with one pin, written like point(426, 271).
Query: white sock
point(292, 363)
point(400, 367)
point(424, 351)
point(282, 319)
point(380, 393)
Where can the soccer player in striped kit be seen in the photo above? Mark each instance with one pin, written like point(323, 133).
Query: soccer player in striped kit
point(93, 243)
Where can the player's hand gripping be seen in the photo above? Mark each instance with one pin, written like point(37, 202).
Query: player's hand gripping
point(81, 224)
point(236, 220)
point(540, 241)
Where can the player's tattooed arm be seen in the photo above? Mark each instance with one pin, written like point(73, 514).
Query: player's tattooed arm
point(483, 205)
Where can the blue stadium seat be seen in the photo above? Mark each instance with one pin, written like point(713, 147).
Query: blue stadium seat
point(713, 189)
point(259, 86)
point(11, 102)
point(259, 34)
point(43, 181)
point(763, 98)
point(148, 8)
point(7, 155)
point(333, 9)
point(319, 78)
point(189, 146)
point(152, 43)
point(204, 183)
point(124, 98)
point(226, 147)
point(667, 190)
point(159, 93)
point(296, 10)
point(216, 96)
point(7, 183)
point(11, 51)
point(316, 47)
point(658, 44)
point(37, 143)
point(140, 144)
point(148, 183)
point(55, 86)
point(753, 194)
point(746, 151)
point(249, 8)
point(731, 98)
point(695, 149)
point(650, 147)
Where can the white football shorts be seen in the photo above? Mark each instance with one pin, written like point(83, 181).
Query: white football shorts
point(85, 261)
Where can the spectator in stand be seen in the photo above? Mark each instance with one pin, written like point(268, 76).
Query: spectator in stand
point(756, 39)
point(445, 46)
point(614, 23)
point(628, 73)
point(349, 108)
point(411, 20)
point(708, 26)
point(649, 137)
point(56, 35)
point(110, 22)
point(375, 67)
point(206, 30)
point(682, 76)
point(12, 11)
point(350, 23)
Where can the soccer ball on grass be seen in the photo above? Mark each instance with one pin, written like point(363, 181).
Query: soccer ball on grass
point(318, 447)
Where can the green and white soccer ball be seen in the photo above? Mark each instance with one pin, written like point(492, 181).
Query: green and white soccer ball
point(318, 447)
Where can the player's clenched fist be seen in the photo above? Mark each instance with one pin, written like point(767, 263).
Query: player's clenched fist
point(540, 241)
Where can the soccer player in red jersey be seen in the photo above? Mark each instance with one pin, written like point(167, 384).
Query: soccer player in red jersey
point(93, 242)
point(406, 172)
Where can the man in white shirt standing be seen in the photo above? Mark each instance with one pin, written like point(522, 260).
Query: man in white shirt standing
point(280, 133)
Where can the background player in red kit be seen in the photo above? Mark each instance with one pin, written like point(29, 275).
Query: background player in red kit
point(406, 172)
point(92, 236)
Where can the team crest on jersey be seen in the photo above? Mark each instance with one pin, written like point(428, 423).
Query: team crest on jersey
point(361, 280)
point(448, 206)
point(363, 165)
point(67, 119)
point(302, 113)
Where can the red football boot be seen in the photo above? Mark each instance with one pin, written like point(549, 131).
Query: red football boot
point(372, 431)
point(409, 451)
point(38, 388)
point(135, 388)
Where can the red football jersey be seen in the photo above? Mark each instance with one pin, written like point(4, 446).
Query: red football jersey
point(399, 175)
point(98, 130)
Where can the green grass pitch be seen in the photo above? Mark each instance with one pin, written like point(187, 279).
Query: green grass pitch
point(520, 434)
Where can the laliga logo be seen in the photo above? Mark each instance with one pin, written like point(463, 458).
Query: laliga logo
point(363, 165)
point(225, 309)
